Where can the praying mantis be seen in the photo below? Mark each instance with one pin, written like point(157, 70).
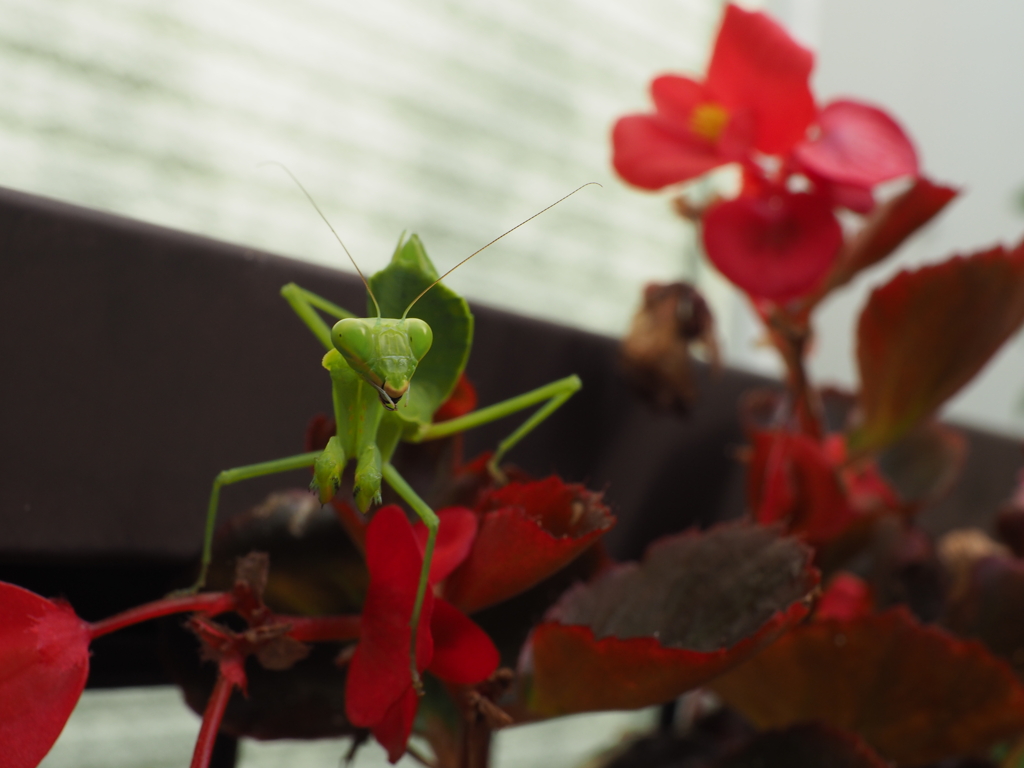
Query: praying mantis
point(389, 373)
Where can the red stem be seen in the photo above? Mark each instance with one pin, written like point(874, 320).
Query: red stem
point(310, 629)
point(208, 602)
point(211, 722)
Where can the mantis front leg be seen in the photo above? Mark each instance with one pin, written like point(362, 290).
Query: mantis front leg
point(430, 519)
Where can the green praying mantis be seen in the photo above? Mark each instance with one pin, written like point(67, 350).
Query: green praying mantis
point(389, 374)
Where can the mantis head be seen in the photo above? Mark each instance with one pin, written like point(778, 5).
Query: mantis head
point(384, 352)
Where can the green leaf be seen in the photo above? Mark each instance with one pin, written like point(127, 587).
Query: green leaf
point(448, 316)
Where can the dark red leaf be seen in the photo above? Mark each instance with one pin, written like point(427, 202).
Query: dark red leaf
point(756, 65)
point(463, 653)
point(886, 229)
point(44, 662)
point(778, 246)
point(989, 605)
point(379, 673)
point(528, 531)
point(644, 633)
point(927, 333)
point(913, 692)
point(858, 145)
point(811, 745)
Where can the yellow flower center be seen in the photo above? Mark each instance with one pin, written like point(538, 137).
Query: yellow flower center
point(709, 120)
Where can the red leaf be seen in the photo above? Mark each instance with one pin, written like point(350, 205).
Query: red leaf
point(777, 246)
point(644, 633)
point(463, 653)
point(528, 531)
point(887, 228)
point(927, 333)
point(913, 692)
point(379, 673)
point(758, 66)
point(44, 663)
point(858, 145)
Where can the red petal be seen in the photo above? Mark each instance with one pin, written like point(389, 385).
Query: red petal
point(846, 597)
point(651, 152)
point(463, 653)
point(528, 531)
point(455, 534)
point(379, 673)
point(44, 662)
point(774, 247)
point(393, 729)
point(757, 65)
point(858, 145)
point(461, 401)
point(791, 479)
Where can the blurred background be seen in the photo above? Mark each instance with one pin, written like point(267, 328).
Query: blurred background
point(457, 120)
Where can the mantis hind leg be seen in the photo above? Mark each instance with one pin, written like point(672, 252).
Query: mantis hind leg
point(555, 394)
point(230, 476)
point(430, 519)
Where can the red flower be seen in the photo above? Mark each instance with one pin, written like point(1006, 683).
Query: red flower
point(856, 145)
point(776, 245)
point(755, 97)
point(44, 662)
point(380, 693)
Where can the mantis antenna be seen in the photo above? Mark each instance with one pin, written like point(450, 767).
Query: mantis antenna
point(336, 236)
point(474, 253)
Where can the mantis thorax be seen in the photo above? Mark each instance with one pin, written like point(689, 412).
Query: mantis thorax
point(383, 351)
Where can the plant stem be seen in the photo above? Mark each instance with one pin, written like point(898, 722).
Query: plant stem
point(211, 722)
point(790, 337)
point(208, 602)
point(311, 629)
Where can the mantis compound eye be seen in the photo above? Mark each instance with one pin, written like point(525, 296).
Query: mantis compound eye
point(354, 338)
point(420, 337)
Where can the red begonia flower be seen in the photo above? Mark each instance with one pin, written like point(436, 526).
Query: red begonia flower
point(755, 96)
point(380, 694)
point(847, 597)
point(461, 401)
point(44, 662)
point(774, 245)
point(857, 145)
